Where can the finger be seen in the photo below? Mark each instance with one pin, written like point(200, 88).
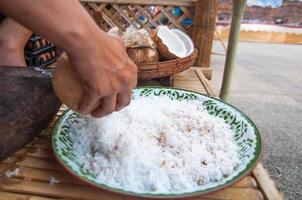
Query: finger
point(133, 69)
point(123, 100)
point(88, 102)
point(107, 106)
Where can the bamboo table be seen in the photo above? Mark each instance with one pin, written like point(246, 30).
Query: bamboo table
point(37, 166)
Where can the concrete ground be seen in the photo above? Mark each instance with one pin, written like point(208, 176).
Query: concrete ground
point(267, 86)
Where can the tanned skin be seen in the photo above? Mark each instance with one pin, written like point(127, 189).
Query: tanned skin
point(100, 61)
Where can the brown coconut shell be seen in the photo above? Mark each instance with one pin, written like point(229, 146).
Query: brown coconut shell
point(142, 54)
point(152, 33)
point(66, 83)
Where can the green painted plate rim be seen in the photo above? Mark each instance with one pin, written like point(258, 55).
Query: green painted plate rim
point(242, 174)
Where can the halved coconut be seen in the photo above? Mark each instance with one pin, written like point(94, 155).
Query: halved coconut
point(169, 45)
point(187, 41)
point(142, 54)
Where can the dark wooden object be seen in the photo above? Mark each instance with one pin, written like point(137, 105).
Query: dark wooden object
point(27, 105)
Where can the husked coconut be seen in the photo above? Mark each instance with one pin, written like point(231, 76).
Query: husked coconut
point(140, 47)
point(142, 54)
point(133, 37)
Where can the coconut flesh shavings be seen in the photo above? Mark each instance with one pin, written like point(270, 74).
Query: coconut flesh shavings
point(13, 173)
point(156, 145)
point(53, 180)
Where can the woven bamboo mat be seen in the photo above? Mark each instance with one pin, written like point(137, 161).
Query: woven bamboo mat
point(37, 166)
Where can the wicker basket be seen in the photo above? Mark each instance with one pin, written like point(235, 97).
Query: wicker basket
point(166, 68)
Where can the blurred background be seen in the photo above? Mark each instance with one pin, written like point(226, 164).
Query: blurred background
point(267, 82)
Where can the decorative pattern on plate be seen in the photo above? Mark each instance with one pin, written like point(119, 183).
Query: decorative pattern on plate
point(245, 132)
point(172, 93)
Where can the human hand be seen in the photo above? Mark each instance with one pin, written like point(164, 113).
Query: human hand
point(106, 73)
point(101, 64)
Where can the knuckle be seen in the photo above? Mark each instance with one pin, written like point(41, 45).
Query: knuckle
point(126, 76)
point(98, 91)
point(114, 88)
point(129, 80)
point(94, 89)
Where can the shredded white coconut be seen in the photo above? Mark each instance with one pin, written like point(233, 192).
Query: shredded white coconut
point(10, 174)
point(157, 145)
point(53, 180)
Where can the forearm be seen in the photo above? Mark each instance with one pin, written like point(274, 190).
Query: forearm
point(52, 20)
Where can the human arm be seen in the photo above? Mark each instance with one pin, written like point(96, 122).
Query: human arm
point(100, 61)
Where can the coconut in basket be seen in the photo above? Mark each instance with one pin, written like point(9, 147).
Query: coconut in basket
point(172, 43)
point(140, 47)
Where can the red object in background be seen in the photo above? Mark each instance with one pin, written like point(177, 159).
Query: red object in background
point(156, 10)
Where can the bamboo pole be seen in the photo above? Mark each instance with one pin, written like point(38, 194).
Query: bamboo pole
point(238, 8)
